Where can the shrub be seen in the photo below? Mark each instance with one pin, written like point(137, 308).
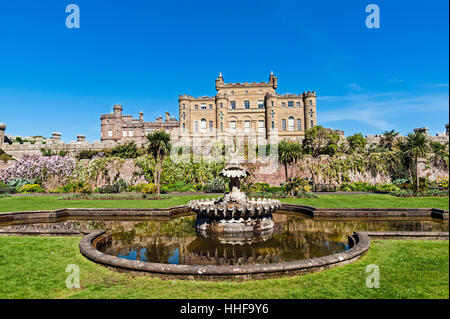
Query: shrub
point(386, 188)
point(306, 194)
point(443, 182)
point(31, 188)
point(19, 182)
point(127, 150)
point(150, 188)
point(217, 185)
point(428, 193)
point(38, 168)
point(136, 188)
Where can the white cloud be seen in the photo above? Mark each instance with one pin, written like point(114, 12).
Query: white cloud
point(380, 110)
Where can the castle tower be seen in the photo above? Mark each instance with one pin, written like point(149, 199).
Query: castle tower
point(309, 100)
point(219, 81)
point(221, 116)
point(2, 133)
point(118, 109)
point(272, 115)
point(273, 80)
point(185, 115)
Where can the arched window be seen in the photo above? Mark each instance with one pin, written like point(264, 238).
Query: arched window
point(291, 123)
point(203, 125)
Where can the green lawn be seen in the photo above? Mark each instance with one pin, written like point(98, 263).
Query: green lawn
point(365, 200)
point(34, 267)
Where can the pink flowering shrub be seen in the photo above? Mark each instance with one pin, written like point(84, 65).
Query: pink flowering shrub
point(38, 168)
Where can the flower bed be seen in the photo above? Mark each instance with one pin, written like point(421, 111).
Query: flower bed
point(114, 197)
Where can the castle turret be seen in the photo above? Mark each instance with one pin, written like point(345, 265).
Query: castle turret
point(309, 100)
point(2, 133)
point(273, 80)
point(56, 136)
point(219, 81)
point(118, 109)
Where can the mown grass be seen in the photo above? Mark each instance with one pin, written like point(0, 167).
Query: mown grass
point(10, 204)
point(34, 267)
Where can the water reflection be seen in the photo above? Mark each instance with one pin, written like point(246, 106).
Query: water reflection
point(175, 241)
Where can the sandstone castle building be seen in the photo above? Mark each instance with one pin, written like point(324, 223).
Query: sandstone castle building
point(247, 108)
point(118, 127)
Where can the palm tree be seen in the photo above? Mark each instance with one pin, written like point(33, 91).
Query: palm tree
point(417, 145)
point(159, 146)
point(288, 153)
point(388, 139)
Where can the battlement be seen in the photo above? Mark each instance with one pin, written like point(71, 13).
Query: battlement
point(200, 98)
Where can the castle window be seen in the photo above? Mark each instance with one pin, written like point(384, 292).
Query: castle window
point(233, 126)
point(246, 104)
point(290, 103)
point(109, 133)
point(184, 127)
point(184, 106)
point(107, 121)
point(210, 126)
point(196, 126)
point(298, 104)
point(312, 123)
point(273, 125)
point(203, 125)
point(310, 102)
point(233, 105)
point(203, 106)
point(221, 115)
point(210, 107)
point(311, 113)
point(124, 133)
point(130, 133)
point(246, 91)
point(299, 124)
point(260, 104)
point(291, 123)
point(117, 122)
point(196, 106)
point(272, 113)
point(232, 92)
point(221, 126)
point(283, 124)
point(246, 126)
point(260, 126)
point(271, 102)
point(283, 104)
point(221, 105)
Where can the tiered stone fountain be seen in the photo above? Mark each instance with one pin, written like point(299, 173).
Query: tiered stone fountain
point(234, 213)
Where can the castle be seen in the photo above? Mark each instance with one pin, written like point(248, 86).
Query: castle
point(244, 109)
point(118, 127)
point(247, 108)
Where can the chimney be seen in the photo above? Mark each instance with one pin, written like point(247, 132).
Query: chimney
point(141, 116)
point(167, 116)
point(81, 138)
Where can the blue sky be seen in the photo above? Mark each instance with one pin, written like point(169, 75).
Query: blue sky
point(143, 54)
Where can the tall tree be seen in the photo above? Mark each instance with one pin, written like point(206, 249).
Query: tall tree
point(416, 146)
point(356, 142)
point(319, 140)
point(389, 139)
point(159, 147)
point(288, 154)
